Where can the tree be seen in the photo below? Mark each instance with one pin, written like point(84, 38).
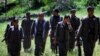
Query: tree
point(92, 2)
point(64, 4)
point(46, 2)
point(37, 3)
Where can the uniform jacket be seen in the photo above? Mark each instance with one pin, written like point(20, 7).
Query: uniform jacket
point(84, 28)
point(45, 28)
point(60, 32)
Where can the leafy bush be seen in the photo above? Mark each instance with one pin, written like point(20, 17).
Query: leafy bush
point(46, 2)
point(15, 11)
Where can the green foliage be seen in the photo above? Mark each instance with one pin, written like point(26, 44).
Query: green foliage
point(48, 5)
point(80, 3)
point(49, 8)
point(15, 11)
point(46, 2)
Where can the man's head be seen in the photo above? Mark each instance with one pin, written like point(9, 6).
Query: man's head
point(66, 18)
point(90, 10)
point(12, 20)
point(55, 12)
point(73, 12)
point(41, 16)
point(28, 15)
point(15, 21)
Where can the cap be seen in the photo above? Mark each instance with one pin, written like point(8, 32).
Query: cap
point(73, 10)
point(90, 8)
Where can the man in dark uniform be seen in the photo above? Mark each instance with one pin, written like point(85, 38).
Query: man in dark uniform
point(40, 30)
point(62, 35)
point(55, 18)
point(89, 30)
point(14, 36)
point(75, 22)
point(6, 31)
point(7, 28)
point(26, 25)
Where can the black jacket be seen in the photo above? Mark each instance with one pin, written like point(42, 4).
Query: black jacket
point(84, 28)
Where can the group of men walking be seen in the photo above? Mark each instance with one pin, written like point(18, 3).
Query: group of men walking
point(63, 31)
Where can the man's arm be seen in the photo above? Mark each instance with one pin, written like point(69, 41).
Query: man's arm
point(78, 23)
point(21, 33)
point(80, 30)
point(6, 33)
point(56, 34)
point(33, 29)
point(47, 28)
point(79, 41)
point(22, 24)
point(99, 31)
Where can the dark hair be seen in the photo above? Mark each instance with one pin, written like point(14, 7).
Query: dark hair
point(66, 17)
point(56, 10)
point(73, 10)
point(90, 8)
point(28, 13)
point(14, 19)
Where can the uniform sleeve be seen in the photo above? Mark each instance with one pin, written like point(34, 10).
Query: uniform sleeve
point(21, 34)
point(61, 18)
point(80, 30)
point(47, 28)
point(48, 25)
point(32, 28)
point(57, 32)
point(8, 35)
point(99, 29)
point(22, 23)
point(50, 22)
point(6, 31)
point(78, 23)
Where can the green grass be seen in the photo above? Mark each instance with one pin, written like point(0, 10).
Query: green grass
point(80, 13)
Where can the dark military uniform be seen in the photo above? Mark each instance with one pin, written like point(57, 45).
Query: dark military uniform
point(53, 22)
point(75, 22)
point(14, 40)
point(89, 30)
point(6, 34)
point(8, 26)
point(6, 31)
point(40, 30)
point(62, 37)
point(26, 25)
